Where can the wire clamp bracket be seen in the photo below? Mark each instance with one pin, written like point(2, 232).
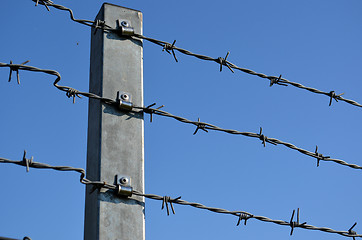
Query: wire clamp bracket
point(124, 101)
point(123, 184)
point(125, 28)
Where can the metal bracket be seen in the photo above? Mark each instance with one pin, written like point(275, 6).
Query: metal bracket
point(125, 27)
point(124, 101)
point(123, 184)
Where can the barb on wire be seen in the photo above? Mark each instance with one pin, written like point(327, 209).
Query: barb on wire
point(150, 111)
point(275, 80)
point(334, 96)
point(295, 224)
point(44, 2)
point(319, 156)
point(15, 69)
point(168, 200)
point(169, 47)
point(27, 162)
point(264, 139)
point(352, 233)
point(201, 126)
point(71, 92)
point(222, 61)
point(242, 215)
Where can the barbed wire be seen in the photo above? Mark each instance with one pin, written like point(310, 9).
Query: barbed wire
point(71, 92)
point(29, 163)
point(166, 200)
point(170, 48)
point(207, 126)
point(242, 215)
point(5, 238)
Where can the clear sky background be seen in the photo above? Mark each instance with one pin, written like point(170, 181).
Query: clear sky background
point(315, 43)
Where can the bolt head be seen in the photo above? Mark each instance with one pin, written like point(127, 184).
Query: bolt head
point(124, 180)
point(125, 97)
point(124, 24)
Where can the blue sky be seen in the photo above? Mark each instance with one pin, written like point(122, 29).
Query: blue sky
point(315, 43)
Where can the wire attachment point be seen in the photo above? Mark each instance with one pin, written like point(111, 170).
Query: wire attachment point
point(124, 28)
point(169, 47)
point(222, 61)
point(123, 101)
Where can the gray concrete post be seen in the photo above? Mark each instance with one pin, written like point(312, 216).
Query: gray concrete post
point(115, 138)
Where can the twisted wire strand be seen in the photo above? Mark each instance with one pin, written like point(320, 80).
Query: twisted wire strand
point(200, 125)
point(246, 215)
point(47, 3)
point(29, 163)
point(69, 91)
point(222, 61)
point(273, 141)
point(281, 81)
point(5, 238)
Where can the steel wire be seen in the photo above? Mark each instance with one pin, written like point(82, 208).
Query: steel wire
point(71, 92)
point(247, 215)
point(29, 163)
point(242, 215)
point(5, 238)
point(222, 61)
point(274, 141)
point(200, 125)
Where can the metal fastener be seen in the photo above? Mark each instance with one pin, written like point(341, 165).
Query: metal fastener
point(123, 180)
point(125, 97)
point(124, 101)
point(125, 24)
